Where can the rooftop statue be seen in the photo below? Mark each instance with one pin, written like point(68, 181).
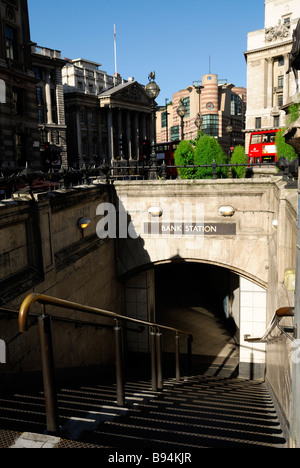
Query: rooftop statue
point(295, 55)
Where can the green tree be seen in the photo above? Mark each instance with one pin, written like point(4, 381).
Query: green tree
point(283, 149)
point(239, 157)
point(293, 113)
point(207, 152)
point(184, 156)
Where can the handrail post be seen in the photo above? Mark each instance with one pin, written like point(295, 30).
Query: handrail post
point(153, 359)
point(119, 365)
point(189, 352)
point(45, 332)
point(159, 359)
point(177, 347)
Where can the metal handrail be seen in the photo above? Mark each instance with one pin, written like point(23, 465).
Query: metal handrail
point(45, 332)
point(49, 300)
point(267, 337)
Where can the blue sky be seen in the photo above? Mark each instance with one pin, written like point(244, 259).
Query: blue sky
point(174, 38)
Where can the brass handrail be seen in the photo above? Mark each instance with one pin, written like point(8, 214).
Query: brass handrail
point(54, 301)
point(275, 322)
point(45, 332)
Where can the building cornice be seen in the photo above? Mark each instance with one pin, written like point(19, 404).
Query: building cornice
point(268, 48)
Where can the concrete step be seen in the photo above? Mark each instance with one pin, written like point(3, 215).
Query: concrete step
point(199, 411)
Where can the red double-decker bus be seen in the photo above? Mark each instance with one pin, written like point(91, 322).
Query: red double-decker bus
point(262, 148)
point(165, 152)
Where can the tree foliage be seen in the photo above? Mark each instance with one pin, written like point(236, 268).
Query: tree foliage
point(184, 156)
point(208, 151)
point(283, 149)
point(239, 157)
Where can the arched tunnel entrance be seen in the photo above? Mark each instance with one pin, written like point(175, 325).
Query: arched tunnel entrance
point(202, 299)
point(213, 303)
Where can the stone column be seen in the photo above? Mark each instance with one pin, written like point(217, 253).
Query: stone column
point(270, 83)
point(78, 125)
point(110, 132)
point(48, 99)
point(137, 135)
point(128, 130)
point(120, 132)
point(286, 89)
point(144, 127)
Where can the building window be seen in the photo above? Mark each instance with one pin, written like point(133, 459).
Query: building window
point(11, 41)
point(276, 121)
point(94, 118)
point(258, 122)
point(18, 107)
point(82, 117)
point(38, 72)
point(175, 133)
point(186, 103)
point(40, 103)
point(210, 125)
point(281, 61)
point(84, 146)
point(236, 105)
point(163, 119)
point(280, 81)
point(95, 148)
point(280, 100)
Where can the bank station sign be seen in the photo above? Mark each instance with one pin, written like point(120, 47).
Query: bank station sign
point(191, 229)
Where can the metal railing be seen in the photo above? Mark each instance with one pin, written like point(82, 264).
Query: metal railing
point(45, 333)
point(29, 182)
point(268, 336)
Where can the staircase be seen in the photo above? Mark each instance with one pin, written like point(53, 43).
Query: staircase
point(204, 411)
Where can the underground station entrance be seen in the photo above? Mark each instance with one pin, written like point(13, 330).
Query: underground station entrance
point(204, 300)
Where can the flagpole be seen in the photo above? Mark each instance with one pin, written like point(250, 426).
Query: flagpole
point(115, 41)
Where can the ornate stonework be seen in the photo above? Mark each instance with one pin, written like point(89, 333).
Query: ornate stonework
point(280, 31)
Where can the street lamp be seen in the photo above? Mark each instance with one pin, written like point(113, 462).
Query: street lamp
point(182, 111)
point(199, 121)
point(229, 130)
point(152, 90)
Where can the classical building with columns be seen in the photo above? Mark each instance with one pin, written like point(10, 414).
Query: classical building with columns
point(107, 117)
point(270, 88)
point(47, 66)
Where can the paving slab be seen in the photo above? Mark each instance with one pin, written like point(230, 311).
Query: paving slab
point(30, 440)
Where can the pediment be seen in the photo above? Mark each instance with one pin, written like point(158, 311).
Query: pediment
point(134, 93)
point(128, 93)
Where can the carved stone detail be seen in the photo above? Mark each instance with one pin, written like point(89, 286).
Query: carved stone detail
point(280, 31)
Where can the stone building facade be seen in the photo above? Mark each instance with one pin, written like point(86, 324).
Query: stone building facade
point(47, 65)
point(107, 116)
point(222, 108)
point(270, 88)
point(19, 136)
point(32, 120)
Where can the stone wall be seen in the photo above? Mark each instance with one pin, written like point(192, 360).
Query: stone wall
point(43, 251)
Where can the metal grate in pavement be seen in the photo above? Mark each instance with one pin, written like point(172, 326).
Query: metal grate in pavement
point(8, 438)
